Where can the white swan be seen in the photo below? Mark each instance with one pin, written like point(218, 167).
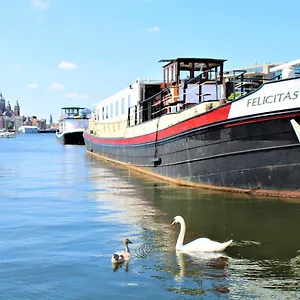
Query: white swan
point(120, 257)
point(201, 244)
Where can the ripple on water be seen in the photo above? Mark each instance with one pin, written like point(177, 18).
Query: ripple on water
point(63, 214)
point(29, 287)
point(152, 245)
point(245, 243)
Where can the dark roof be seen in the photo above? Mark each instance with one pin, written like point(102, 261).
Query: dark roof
point(186, 62)
point(195, 59)
point(68, 107)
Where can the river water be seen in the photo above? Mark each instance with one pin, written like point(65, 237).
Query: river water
point(63, 213)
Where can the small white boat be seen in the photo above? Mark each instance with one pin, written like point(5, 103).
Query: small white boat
point(7, 134)
point(73, 122)
point(28, 129)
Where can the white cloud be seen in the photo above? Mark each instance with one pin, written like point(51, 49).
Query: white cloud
point(32, 86)
point(153, 29)
point(67, 65)
point(55, 86)
point(76, 96)
point(40, 4)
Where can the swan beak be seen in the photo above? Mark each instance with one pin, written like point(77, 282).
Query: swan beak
point(173, 223)
point(130, 242)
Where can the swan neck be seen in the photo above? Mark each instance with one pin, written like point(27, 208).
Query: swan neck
point(179, 243)
point(127, 248)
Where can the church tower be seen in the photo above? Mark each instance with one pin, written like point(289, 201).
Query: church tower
point(2, 104)
point(8, 107)
point(17, 109)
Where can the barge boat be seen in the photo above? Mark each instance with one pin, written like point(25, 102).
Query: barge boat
point(200, 126)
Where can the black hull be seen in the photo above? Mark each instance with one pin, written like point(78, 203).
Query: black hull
point(256, 157)
point(72, 138)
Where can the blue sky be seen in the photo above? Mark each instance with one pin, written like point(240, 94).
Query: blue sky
point(58, 53)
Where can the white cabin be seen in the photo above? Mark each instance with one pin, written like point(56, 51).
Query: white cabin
point(28, 129)
point(115, 108)
point(73, 119)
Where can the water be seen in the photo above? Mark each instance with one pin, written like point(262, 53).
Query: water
point(63, 213)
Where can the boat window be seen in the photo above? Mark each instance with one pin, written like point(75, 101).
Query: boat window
point(185, 75)
point(98, 114)
point(147, 106)
point(103, 113)
point(129, 101)
point(278, 74)
point(197, 73)
point(117, 108)
point(106, 111)
point(111, 110)
point(122, 106)
point(212, 75)
point(174, 72)
point(297, 70)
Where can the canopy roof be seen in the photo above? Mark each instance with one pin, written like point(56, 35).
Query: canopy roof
point(199, 64)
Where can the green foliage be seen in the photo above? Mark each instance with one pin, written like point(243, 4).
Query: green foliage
point(233, 96)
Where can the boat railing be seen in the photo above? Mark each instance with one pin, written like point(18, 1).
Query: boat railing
point(165, 102)
point(243, 84)
point(238, 83)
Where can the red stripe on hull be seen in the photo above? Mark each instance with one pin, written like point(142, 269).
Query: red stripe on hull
point(218, 115)
point(290, 115)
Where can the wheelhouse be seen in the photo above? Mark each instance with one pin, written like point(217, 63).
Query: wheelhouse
point(73, 112)
point(186, 82)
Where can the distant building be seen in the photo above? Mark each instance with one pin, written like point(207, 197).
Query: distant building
point(18, 122)
point(2, 105)
point(2, 122)
point(8, 107)
point(5, 108)
point(17, 109)
point(12, 117)
point(34, 121)
point(41, 124)
point(28, 122)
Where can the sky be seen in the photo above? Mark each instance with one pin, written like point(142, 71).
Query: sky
point(57, 53)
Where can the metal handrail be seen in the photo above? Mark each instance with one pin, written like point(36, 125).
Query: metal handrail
point(163, 105)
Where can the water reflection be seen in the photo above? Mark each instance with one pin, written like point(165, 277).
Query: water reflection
point(117, 266)
point(264, 232)
point(64, 214)
point(295, 265)
point(209, 270)
point(204, 260)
